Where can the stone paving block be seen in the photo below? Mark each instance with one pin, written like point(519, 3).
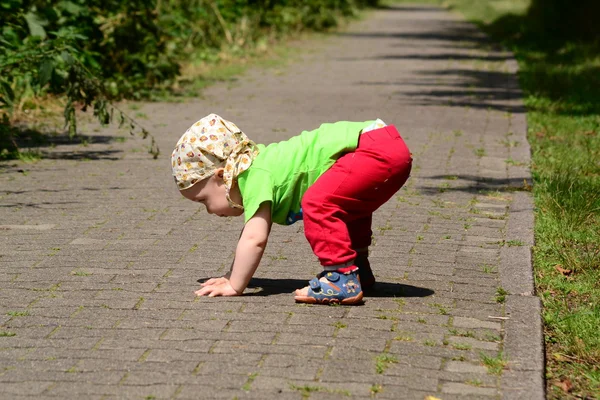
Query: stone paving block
point(459, 366)
point(478, 310)
point(467, 322)
point(338, 389)
point(436, 350)
point(72, 343)
point(464, 389)
point(229, 347)
point(391, 391)
point(27, 388)
point(306, 371)
point(474, 343)
point(523, 385)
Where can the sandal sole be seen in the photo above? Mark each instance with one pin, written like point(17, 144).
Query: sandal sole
point(348, 301)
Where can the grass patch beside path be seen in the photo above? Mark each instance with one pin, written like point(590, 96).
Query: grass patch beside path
point(561, 83)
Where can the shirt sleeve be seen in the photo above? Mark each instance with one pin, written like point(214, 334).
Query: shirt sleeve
point(256, 186)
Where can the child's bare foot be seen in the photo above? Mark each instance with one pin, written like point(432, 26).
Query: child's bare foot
point(301, 292)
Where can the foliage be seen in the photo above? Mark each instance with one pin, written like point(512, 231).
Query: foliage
point(95, 52)
point(565, 19)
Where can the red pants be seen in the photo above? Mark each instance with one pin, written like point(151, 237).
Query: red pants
point(338, 207)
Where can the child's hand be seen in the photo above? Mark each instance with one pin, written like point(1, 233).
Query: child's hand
point(216, 281)
point(217, 287)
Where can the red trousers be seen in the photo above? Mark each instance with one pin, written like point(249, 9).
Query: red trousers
point(339, 206)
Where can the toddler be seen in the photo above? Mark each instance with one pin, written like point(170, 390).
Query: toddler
point(333, 178)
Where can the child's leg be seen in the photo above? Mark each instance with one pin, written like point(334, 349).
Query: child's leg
point(351, 190)
point(360, 235)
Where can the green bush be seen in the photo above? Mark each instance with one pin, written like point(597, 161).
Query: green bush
point(567, 19)
point(96, 51)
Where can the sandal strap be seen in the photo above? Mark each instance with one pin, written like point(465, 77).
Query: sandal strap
point(315, 285)
point(332, 276)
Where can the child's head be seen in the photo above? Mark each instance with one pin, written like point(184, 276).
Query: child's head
point(213, 194)
point(211, 148)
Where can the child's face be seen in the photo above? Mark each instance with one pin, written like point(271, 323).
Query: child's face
point(212, 193)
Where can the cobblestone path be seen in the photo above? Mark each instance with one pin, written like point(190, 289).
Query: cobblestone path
point(96, 283)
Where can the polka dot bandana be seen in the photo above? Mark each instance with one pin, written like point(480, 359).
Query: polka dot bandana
point(208, 145)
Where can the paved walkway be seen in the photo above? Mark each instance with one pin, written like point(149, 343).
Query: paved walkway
point(96, 283)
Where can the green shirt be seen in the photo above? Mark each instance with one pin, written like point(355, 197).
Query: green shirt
point(282, 172)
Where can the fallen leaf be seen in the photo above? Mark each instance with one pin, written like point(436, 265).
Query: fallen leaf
point(565, 385)
point(565, 272)
point(431, 398)
point(540, 134)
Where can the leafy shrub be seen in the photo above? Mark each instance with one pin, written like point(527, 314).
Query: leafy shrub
point(94, 51)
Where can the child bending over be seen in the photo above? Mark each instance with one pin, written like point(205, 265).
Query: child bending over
point(333, 178)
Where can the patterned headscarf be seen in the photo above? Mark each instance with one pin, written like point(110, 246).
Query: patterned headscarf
point(208, 145)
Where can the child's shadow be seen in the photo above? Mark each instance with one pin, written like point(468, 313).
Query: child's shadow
point(267, 287)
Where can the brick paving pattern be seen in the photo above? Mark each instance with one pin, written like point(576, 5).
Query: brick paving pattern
point(96, 283)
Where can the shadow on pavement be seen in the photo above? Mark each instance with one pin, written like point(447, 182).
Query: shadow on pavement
point(479, 184)
point(484, 82)
point(55, 146)
point(412, 8)
point(381, 289)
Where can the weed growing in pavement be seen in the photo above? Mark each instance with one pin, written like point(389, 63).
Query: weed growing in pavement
point(461, 346)
point(306, 390)
point(404, 337)
point(495, 365)
point(479, 152)
point(251, 377)
point(474, 382)
point(491, 337)
point(514, 163)
point(80, 272)
point(18, 313)
point(456, 332)
point(383, 360)
point(501, 294)
point(339, 325)
point(376, 388)
point(489, 269)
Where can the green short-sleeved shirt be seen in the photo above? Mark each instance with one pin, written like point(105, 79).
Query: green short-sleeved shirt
point(282, 172)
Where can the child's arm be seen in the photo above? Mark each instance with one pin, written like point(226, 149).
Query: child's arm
point(248, 253)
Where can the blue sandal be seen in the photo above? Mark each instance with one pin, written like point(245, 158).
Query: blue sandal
point(339, 289)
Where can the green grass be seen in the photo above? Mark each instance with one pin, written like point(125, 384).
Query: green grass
point(383, 360)
point(306, 390)
point(339, 325)
point(18, 313)
point(376, 388)
point(461, 346)
point(501, 294)
point(560, 79)
point(248, 385)
point(495, 365)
